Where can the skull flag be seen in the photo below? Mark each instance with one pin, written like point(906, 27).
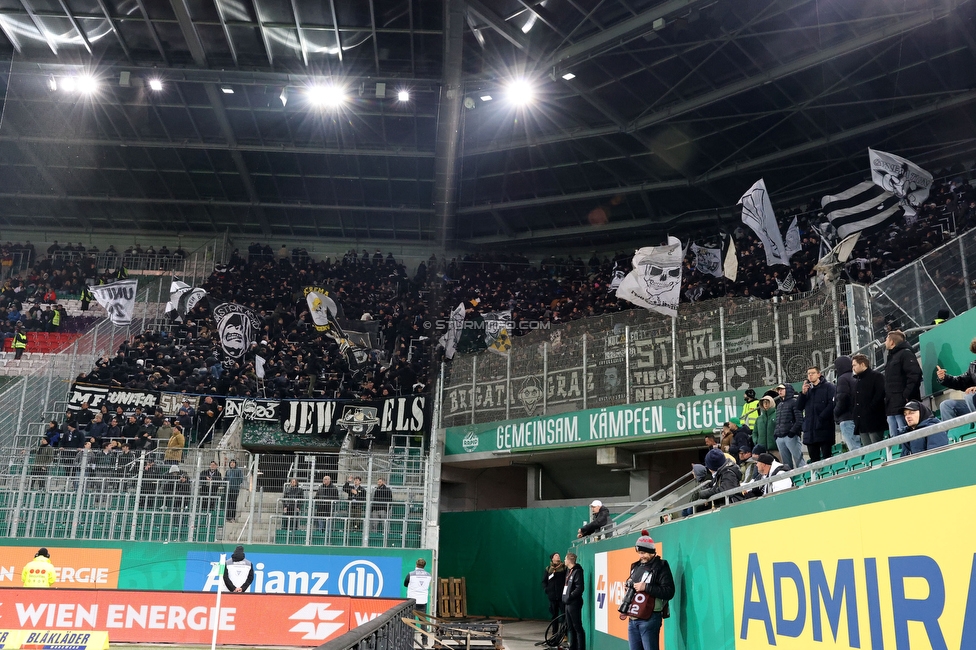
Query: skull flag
point(655, 282)
point(237, 326)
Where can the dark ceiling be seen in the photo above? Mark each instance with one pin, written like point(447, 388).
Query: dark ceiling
point(676, 108)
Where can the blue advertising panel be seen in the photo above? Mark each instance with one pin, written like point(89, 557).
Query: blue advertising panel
point(284, 573)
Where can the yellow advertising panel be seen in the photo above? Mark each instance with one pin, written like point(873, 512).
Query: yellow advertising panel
point(52, 640)
point(892, 574)
point(77, 568)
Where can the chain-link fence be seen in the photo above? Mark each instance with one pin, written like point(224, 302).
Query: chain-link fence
point(638, 356)
point(207, 495)
point(913, 296)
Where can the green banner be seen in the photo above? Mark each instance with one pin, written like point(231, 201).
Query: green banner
point(602, 426)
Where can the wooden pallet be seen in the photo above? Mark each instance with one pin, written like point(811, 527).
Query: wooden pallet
point(457, 635)
point(452, 598)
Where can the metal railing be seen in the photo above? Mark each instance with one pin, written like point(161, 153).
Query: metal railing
point(868, 457)
point(164, 494)
point(385, 632)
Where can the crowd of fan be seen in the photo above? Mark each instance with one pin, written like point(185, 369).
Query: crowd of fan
point(411, 313)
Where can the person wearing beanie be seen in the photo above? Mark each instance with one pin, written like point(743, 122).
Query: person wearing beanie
point(573, 603)
point(600, 517)
point(918, 416)
point(238, 573)
point(747, 464)
point(552, 582)
point(653, 586)
point(735, 436)
point(769, 466)
point(765, 430)
point(39, 572)
point(817, 402)
point(750, 409)
point(725, 475)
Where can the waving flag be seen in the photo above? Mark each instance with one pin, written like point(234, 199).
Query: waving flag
point(183, 298)
point(118, 299)
point(757, 213)
point(903, 178)
point(655, 282)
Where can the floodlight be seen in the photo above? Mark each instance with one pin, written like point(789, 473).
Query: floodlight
point(68, 84)
point(520, 92)
point(155, 84)
point(569, 76)
point(403, 96)
point(283, 96)
point(486, 98)
point(52, 83)
point(227, 90)
point(326, 95)
point(87, 84)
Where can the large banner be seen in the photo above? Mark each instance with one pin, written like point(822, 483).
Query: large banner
point(127, 398)
point(188, 618)
point(118, 299)
point(303, 418)
point(655, 281)
point(601, 426)
point(90, 568)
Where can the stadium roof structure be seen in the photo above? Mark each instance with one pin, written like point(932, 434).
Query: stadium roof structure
point(528, 122)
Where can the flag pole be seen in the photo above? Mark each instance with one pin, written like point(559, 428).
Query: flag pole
point(220, 579)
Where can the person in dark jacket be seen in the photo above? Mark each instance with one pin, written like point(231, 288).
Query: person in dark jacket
point(600, 517)
point(789, 424)
point(869, 401)
point(650, 575)
point(918, 416)
point(953, 408)
point(238, 573)
point(325, 497)
point(573, 603)
point(725, 475)
point(817, 402)
point(903, 379)
point(553, 582)
point(738, 436)
point(844, 401)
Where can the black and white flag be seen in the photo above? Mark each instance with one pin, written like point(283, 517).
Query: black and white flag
point(655, 282)
point(118, 299)
point(183, 298)
point(787, 285)
point(793, 243)
point(617, 278)
point(708, 260)
point(449, 341)
point(757, 213)
point(237, 326)
point(325, 311)
point(903, 178)
point(829, 266)
point(863, 208)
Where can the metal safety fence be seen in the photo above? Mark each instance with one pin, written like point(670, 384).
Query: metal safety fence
point(205, 495)
point(913, 296)
point(638, 356)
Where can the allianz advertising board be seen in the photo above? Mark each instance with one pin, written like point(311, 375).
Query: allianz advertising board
point(282, 573)
point(893, 574)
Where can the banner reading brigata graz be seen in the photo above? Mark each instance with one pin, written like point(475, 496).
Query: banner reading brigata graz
point(598, 426)
point(894, 574)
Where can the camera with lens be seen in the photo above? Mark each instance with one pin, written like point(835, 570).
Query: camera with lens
point(628, 597)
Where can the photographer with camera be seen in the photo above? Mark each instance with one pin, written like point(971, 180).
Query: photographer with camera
point(649, 589)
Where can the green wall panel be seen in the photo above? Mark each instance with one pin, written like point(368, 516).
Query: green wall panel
point(503, 554)
point(948, 346)
point(699, 548)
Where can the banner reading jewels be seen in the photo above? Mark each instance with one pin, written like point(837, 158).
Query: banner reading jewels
point(603, 426)
point(290, 422)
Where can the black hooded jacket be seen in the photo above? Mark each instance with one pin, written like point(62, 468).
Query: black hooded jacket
point(235, 569)
point(844, 395)
point(600, 519)
point(903, 378)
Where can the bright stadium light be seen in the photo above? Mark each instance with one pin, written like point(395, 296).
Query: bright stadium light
point(329, 95)
point(87, 84)
point(520, 92)
point(69, 84)
point(403, 96)
point(569, 76)
point(486, 98)
point(156, 84)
